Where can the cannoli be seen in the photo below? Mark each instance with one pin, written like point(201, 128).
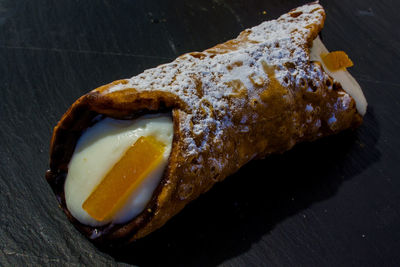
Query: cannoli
point(129, 155)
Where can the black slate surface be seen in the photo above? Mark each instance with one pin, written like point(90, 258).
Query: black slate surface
point(335, 202)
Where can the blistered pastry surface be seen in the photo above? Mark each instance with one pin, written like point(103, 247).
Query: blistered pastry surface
point(203, 78)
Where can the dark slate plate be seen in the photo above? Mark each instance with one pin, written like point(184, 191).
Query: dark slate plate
point(334, 202)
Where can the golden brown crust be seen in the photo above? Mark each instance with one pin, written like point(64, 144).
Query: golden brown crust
point(270, 115)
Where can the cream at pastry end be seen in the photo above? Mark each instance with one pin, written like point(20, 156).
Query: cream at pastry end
point(349, 84)
point(99, 148)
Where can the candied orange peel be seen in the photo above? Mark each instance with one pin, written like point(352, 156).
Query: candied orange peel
point(123, 178)
point(337, 60)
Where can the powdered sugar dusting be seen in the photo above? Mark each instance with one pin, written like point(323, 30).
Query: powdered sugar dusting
point(206, 81)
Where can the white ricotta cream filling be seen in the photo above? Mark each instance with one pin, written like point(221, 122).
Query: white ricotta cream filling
point(99, 148)
point(349, 84)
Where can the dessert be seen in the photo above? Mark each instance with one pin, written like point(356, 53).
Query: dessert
point(129, 155)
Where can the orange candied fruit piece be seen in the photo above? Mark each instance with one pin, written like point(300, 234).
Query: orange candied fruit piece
point(123, 178)
point(336, 60)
